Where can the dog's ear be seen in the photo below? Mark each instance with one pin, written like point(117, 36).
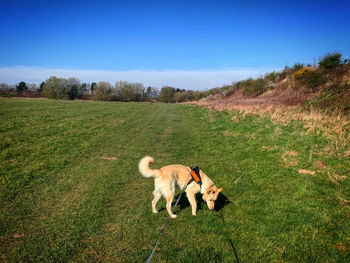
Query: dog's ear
point(219, 190)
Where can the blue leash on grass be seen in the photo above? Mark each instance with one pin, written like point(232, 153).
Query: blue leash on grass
point(167, 221)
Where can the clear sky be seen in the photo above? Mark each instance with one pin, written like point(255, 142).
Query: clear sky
point(191, 44)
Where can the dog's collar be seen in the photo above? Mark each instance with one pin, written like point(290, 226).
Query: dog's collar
point(210, 186)
point(205, 189)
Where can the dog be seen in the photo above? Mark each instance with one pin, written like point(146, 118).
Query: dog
point(165, 179)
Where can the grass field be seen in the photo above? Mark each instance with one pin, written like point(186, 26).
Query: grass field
point(71, 190)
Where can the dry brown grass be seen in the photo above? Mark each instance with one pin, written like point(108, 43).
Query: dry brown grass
point(335, 126)
point(109, 158)
point(290, 158)
point(269, 148)
point(304, 171)
point(283, 105)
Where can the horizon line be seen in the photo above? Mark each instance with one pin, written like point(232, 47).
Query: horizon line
point(199, 79)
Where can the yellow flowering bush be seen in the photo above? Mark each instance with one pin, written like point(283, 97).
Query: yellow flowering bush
point(301, 74)
point(311, 78)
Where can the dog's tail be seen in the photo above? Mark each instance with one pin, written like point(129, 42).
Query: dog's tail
point(144, 167)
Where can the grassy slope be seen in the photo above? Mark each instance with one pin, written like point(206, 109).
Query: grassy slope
point(62, 200)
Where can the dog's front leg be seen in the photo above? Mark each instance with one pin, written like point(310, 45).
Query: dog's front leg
point(192, 199)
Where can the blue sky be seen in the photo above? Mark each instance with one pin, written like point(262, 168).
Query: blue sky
point(197, 41)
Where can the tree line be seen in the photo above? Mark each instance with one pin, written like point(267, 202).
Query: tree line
point(71, 88)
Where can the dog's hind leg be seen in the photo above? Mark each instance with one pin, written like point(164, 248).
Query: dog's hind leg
point(156, 197)
point(169, 200)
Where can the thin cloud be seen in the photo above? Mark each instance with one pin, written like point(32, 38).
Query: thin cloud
point(184, 79)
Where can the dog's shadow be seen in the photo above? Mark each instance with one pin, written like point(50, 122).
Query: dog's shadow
point(220, 202)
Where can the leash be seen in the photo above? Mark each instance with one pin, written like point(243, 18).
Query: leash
point(167, 221)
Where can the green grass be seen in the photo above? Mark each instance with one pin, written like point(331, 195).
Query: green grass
point(63, 200)
point(5, 94)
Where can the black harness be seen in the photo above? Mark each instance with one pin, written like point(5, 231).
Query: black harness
point(195, 176)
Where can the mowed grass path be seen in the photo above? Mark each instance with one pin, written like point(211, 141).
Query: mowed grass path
point(71, 190)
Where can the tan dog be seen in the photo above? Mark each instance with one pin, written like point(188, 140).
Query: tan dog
point(165, 179)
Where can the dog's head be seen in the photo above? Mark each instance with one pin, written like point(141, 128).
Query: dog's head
point(211, 195)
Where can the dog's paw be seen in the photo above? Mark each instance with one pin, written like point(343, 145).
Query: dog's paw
point(194, 214)
point(155, 211)
point(173, 216)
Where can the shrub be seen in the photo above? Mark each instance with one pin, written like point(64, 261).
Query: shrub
point(183, 96)
point(151, 93)
point(92, 87)
point(272, 76)
point(330, 60)
point(73, 88)
point(5, 94)
point(41, 86)
point(205, 94)
point(167, 94)
point(21, 86)
point(300, 74)
point(228, 90)
point(313, 80)
point(253, 87)
point(126, 91)
point(61, 88)
point(83, 91)
point(288, 71)
point(285, 72)
point(55, 88)
point(103, 91)
point(297, 66)
point(310, 78)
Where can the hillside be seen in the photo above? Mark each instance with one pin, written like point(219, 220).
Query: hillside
point(324, 87)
